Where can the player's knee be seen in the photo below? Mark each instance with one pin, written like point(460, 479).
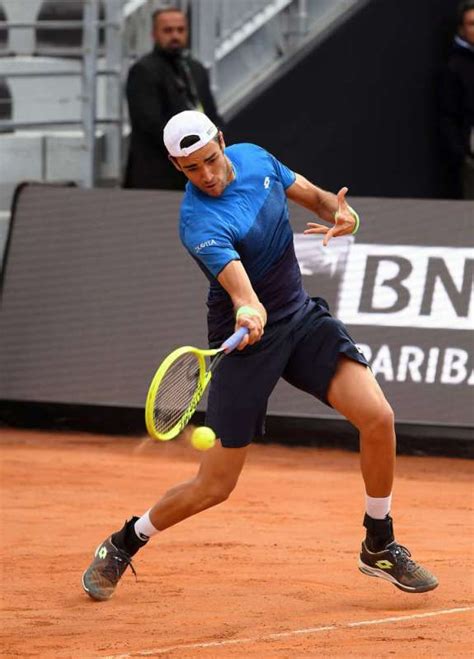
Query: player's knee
point(386, 416)
point(215, 492)
point(219, 495)
point(380, 421)
point(386, 422)
point(216, 495)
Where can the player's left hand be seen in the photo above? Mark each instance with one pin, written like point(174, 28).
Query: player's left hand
point(344, 220)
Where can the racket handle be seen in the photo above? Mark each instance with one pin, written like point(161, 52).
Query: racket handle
point(233, 341)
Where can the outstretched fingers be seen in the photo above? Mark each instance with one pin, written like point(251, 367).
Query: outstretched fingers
point(330, 234)
point(315, 228)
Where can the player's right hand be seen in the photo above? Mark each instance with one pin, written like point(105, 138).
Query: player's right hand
point(255, 325)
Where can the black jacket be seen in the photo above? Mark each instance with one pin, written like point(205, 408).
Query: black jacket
point(457, 103)
point(158, 86)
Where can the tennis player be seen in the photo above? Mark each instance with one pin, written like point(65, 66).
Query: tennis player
point(235, 225)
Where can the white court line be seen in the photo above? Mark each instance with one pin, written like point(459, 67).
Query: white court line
point(295, 632)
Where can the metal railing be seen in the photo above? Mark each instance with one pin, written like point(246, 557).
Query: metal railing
point(240, 42)
point(89, 72)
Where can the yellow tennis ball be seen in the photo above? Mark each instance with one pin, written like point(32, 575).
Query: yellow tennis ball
point(203, 438)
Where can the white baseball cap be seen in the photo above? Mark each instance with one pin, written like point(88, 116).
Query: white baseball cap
point(189, 123)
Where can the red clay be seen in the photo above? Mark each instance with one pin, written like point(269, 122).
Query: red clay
point(279, 556)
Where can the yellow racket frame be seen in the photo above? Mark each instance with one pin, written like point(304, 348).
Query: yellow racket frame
point(203, 381)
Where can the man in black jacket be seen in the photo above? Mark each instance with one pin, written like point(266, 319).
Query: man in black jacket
point(457, 106)
point(159, 85)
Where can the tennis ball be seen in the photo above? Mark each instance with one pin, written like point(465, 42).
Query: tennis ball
point(203, 438)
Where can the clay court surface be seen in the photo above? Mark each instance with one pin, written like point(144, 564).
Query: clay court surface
point(270, 573)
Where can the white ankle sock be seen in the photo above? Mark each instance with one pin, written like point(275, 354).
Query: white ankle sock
point(144, 528)
point(376, 507)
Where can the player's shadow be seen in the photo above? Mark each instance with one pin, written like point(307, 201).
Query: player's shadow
point(396, 602)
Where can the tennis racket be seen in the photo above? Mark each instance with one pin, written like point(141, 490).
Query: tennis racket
point(178, 386)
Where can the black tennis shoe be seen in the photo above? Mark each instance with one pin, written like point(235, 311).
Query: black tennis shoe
point(103, 574)
point(394, 564)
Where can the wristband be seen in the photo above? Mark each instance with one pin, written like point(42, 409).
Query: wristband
point(356, 218)
point(355, 215)
point(249, 311)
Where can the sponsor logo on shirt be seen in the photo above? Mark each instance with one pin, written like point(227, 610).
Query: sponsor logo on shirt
point(205, 243)
point(266, 182)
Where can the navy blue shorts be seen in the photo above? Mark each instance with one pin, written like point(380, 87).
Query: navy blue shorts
point(303, 348)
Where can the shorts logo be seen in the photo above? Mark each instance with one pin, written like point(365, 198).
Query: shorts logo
point(206, 243)
point(266, 182)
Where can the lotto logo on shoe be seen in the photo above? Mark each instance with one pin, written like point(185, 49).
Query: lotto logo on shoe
point(408, 286)
point(102, 552)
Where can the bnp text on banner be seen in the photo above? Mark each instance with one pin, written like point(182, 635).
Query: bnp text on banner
point(408, 286)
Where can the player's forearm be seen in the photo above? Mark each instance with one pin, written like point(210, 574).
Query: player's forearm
point(315, 199)
point(326, 205)
point(237, 284)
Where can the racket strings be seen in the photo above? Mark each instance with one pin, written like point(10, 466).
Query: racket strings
point(178, 389)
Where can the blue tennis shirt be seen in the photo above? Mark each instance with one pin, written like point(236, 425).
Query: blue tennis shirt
point(248, 222)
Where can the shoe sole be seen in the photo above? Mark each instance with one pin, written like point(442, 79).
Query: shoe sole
point(375, 572)
point(91, 594)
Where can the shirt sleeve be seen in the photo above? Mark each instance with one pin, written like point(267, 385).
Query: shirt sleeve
point(286, 175)
point(213, 247)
